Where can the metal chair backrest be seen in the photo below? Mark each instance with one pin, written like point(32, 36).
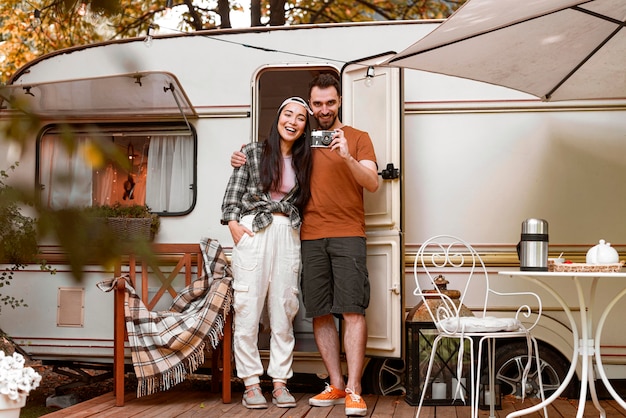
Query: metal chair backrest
point(449, 255)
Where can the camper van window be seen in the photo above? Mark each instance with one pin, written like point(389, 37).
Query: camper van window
point(160, 172)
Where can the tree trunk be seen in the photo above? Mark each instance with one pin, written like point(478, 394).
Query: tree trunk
point(255, 13)
point(196, 19)
point(277, 12)
point(223, 9)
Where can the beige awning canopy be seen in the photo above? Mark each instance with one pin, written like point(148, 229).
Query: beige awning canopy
point(144, 94)
point(553, 49)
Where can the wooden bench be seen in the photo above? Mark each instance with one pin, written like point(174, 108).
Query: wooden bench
point(181, 258)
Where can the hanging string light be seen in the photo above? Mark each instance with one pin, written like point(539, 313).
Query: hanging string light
point(148, 40)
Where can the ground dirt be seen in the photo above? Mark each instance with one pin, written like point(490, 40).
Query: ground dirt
point(36, 401)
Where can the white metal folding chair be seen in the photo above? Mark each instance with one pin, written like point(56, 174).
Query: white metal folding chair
point(446, 254)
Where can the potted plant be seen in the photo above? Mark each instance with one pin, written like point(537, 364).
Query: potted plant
point(128, 222)
point(16, 381)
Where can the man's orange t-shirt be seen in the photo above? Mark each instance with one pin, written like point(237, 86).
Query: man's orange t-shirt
point(336, 205)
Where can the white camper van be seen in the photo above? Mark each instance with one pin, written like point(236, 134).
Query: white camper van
point(455, 157)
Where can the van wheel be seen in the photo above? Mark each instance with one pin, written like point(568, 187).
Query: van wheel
point(384, 376)
point(511, 360)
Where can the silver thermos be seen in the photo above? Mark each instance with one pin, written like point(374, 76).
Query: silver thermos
point(532, 249)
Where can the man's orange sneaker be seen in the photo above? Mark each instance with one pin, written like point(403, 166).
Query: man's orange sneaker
point(329, 397)
point(355, 405)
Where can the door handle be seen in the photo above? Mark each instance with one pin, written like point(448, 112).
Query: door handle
point(390, 172)
point(395, 289)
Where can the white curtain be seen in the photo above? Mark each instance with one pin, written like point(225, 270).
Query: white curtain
point(66, 177)
point(170, 174)
point(103, 185)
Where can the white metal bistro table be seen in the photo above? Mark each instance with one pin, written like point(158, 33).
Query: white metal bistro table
point(588, 346)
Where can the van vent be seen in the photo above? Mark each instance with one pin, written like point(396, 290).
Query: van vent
point(71, 307)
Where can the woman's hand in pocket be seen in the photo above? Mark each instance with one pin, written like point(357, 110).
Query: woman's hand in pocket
point(237, 231)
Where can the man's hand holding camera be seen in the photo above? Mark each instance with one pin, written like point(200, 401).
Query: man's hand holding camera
point(340, 144)
point(333, 140)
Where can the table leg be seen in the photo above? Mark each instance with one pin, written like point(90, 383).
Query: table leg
point(572, 368)
point(587, 350)
point(598, 355)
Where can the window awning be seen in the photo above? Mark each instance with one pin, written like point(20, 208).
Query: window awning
point(142, 93)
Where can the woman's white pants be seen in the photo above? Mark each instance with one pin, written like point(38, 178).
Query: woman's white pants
point(266, 267)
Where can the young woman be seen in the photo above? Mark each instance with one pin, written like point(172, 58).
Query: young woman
point(262, 207)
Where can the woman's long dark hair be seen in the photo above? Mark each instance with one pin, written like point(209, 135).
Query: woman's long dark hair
point(272, 163)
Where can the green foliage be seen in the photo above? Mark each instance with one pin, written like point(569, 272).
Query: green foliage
point(86, 239)
point(18, 239)
point(17, 232)
point(5, 280)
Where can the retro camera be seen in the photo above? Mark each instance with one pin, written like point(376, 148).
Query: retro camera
point(321, 139)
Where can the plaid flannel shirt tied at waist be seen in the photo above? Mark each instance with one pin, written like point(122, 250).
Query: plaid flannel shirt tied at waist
point(262, 209)
point(263, 216)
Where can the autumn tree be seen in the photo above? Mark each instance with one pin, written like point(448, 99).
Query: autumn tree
point(29, 29)
point(311, 11)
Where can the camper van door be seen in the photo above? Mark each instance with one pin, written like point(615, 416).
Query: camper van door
point(371, 101)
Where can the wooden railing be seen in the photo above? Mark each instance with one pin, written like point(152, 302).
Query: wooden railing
point(179, 259)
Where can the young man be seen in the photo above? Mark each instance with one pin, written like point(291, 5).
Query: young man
point(334, 278)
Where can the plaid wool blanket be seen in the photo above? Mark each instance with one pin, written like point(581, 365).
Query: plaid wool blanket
point(168, 345)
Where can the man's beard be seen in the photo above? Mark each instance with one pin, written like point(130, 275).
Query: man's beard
point(326, 125)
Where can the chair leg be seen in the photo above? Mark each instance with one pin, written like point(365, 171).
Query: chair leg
point(491, 358)
point(474, 378)
point(428, 371)
point(227, 348)
point(119, 329)
point(221, 359)
point(478, 373)
point(538, 362)
point(216, 356)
